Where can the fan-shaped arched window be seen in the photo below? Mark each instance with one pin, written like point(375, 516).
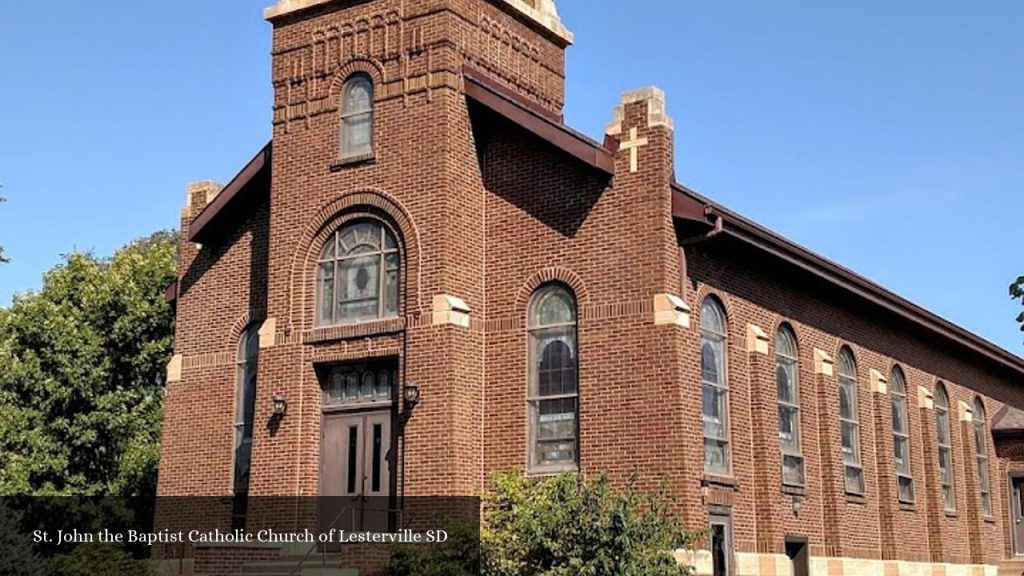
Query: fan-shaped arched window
point(901, 435)
point(849, 418)
point(945, 447)
point(357, 116)
point(715, 387)
point(245, 405)
point(787, 379)
point(357, 275)
point(554, 380)
point(981, 453)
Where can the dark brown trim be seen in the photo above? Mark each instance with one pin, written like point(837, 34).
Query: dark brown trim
point(202, 222)
point(171, 292)
point(763, 239)
point(540, 122)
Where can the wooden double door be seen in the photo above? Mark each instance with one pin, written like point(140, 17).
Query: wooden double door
point(356, 470)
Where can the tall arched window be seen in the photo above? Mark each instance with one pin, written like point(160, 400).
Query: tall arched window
point(981, 451)
point(945, 447)
point(715, 387)
point(554, 380)
point(787, 378)
point(901, 435)
point(357, 116)
point(245, 405)
point(357, 275)
point(849, 418)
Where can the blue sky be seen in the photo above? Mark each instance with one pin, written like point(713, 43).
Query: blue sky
point(888, 136)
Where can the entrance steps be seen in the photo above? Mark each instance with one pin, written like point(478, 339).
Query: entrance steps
point(291, 568)
point(1011, 567)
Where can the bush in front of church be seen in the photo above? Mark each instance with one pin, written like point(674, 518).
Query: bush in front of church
point(572, 525)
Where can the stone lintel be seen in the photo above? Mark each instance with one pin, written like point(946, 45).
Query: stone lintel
point(657, 115)
point(823, 363)
point(671, 309)
point(174, 368)
point(450, 310)
point(879, 385)
point(757, 340)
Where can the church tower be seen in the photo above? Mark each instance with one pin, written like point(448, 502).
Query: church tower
point(370, 123)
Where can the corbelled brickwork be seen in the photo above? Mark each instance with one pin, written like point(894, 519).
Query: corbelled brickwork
point(486, 212)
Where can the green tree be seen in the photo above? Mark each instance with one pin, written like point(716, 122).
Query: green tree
point(81, 374)
point(1017, 293)
point(17, 556)
point(570, 525)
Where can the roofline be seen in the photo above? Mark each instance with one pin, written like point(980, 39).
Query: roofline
point(764, 239)
point(200, 224)
point(543, 123)
point(171, 292)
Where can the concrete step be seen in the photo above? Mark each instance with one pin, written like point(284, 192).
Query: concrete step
point(287, 568)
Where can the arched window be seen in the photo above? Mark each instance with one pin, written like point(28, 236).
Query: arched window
point(981, 447)
point(357, 116)
point(245, 405)
point(715, 388)
point(787, 378)
point(849, 419)
point(901, 435)
point(357, 275)
point(554, 380)
point(945, 447)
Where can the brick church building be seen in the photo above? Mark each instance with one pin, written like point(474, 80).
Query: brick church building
point(427, 277)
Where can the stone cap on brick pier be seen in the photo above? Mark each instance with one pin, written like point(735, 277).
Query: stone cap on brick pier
point(542, 12)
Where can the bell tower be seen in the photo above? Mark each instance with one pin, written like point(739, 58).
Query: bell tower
point(418, 174)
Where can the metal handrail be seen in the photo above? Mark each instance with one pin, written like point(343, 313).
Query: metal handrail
point(331, 525)
point(298, 567)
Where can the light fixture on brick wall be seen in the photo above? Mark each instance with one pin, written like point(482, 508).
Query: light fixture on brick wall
point(411, 393)
point(280, 406)
point(798, 502)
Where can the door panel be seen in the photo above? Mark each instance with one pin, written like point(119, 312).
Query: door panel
point(355, 471)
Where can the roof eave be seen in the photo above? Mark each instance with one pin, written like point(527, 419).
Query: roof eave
point(763, 239)
point(201, 226)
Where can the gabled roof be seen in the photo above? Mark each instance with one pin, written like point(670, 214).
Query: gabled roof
point(1008, 419)
point(543, 123)
point(687, 204)
point(254, 179)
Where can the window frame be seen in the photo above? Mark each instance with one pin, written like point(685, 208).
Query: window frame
point(850, 380)
point(898, 399)
point(716, 335)
point(942, 421)
point(979, 421)
point(387, 236)
point(537, 331)
point(787, 358)
point(345, 114)
point(247, 368)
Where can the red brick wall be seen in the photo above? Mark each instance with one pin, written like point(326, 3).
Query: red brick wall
point(490, 231)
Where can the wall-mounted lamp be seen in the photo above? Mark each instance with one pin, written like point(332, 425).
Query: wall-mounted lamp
point(798, 502)
point(280, 406)
point(411, 393)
